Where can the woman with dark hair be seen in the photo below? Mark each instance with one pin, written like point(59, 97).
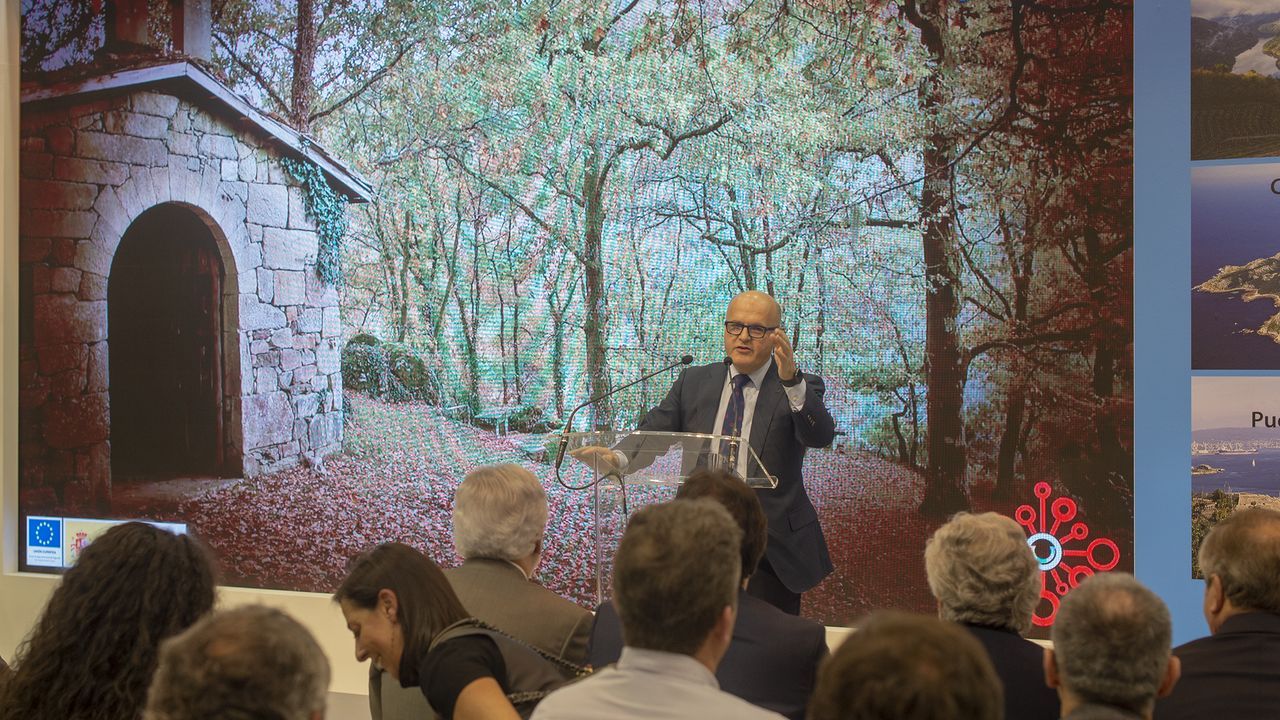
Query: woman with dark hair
point(406, 618)
point(93, 650)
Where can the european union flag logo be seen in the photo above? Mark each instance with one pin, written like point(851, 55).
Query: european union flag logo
point(44, 532)
point(44, 541)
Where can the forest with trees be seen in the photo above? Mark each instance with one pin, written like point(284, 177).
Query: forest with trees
point(938, 192)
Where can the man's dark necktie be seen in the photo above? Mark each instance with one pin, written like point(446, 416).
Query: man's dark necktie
point(733, 416)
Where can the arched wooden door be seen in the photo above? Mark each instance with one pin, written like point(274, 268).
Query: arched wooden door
point(164, 305)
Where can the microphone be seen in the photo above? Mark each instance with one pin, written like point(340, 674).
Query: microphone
point(564, 434)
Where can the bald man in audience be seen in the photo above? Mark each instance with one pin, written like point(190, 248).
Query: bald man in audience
point(1110, 658)
point(1235, 671)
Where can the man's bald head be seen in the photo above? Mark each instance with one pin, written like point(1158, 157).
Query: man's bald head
point(756, 301)
point(751, 309)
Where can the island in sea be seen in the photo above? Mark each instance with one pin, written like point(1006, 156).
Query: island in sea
point(1257, 279)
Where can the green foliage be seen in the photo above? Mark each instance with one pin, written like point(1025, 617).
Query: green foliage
point(533, 419)
point(1272, 46)
point(1207, 510)
point(410, 373)
point(668, 155)
point(328, 210)
point(391, 371)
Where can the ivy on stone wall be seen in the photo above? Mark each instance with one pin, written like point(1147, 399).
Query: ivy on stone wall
point(328, 210)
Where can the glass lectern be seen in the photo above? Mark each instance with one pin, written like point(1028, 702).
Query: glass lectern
point(625, 470)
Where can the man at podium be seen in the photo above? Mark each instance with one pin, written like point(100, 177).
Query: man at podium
point(758, 393)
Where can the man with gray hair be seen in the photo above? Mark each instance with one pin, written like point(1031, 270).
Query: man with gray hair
point(499, 519)
point(675, 583)
point(986, 578)
point(252, 661)
point(1235, 672)
point(1110, 658)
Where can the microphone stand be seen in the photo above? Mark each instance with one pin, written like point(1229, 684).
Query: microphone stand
point(564, 442)
point(568, 426)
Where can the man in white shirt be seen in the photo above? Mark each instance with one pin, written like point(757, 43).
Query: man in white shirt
point(757, 393)
point(675, 581)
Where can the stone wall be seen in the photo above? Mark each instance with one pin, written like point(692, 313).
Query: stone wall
point(88, 170)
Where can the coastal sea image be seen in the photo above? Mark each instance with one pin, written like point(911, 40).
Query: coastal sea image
point(1235, 79)
point(1234, 466)
point(1235, 450)
point(1235, 435)
point(1235, 267)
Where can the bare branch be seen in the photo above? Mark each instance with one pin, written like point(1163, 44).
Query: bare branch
point(593, 44)
point(511, 198)
point(257, 76)
point(369, 82)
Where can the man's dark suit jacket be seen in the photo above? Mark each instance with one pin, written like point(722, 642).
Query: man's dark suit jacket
point(1234, 673)
point(772, 661)
point(796, 550)
point(1020, 665)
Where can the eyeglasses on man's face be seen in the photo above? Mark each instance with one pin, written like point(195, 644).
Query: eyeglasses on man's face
point(753, 331)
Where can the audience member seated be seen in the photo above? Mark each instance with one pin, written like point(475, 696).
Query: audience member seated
point(899, 666)
point(1110, 656)
point(499, 518)
point(773, 658)
point(406, 619)
point(986, 578)
point(676, 576)
point(1235, 672)
point(93, 650)
point(250, 662)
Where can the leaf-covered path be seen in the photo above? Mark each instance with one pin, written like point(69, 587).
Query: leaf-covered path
point(296, 529)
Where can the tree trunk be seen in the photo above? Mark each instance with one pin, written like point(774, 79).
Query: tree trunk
point(748, 260)
point(304, 62)
point(903, 452)
point(820, 325)
point(387, 264)
point(945, 368)
point(557, 351)
point(595, 325)
point(1111, 449)
point(1020, 257)
point(1010, 440)
point(406, 257)
point(515, 323)
point(502, 331)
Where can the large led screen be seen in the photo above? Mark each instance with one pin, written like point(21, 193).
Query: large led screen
point(291, 293)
